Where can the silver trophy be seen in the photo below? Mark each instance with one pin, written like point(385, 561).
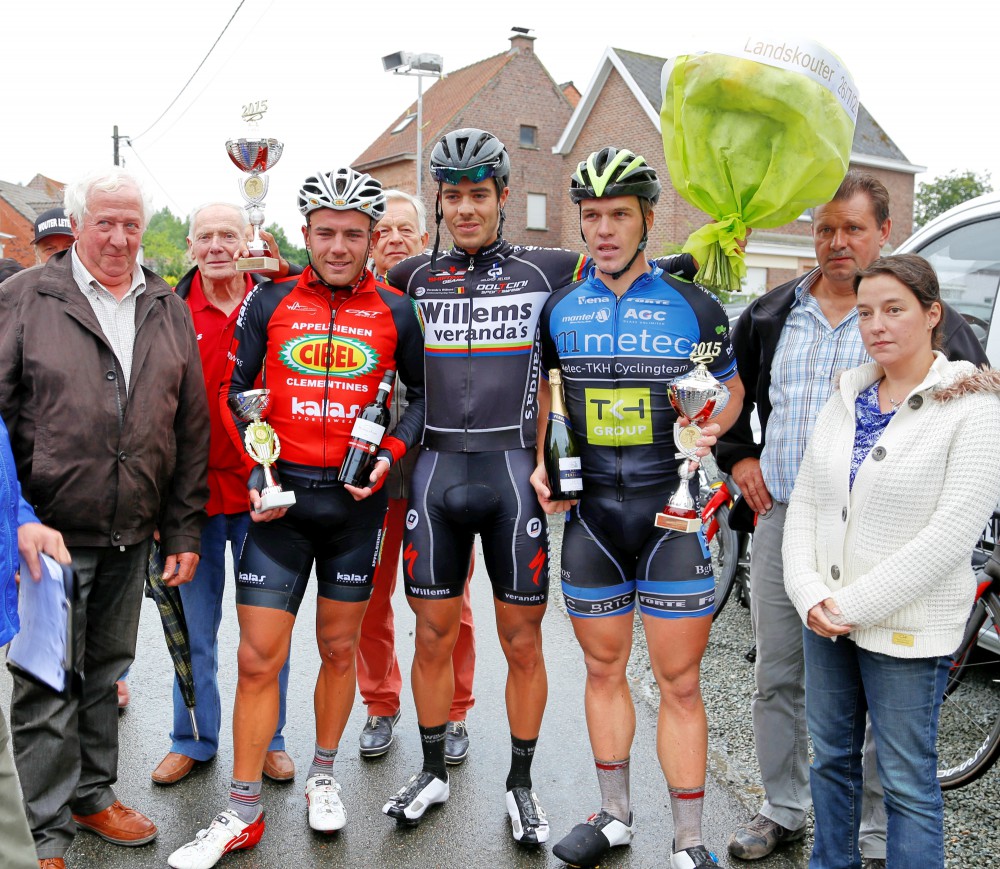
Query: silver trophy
point(255, 155)
point(698, 396)
point(261, 442)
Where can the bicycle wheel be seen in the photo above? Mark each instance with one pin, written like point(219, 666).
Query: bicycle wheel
point(724, 549)
point(968, 741)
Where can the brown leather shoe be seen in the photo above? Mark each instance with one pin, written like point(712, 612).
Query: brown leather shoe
point(172, 768)
point(52, 863)
point(119, 825)
point(278, 766)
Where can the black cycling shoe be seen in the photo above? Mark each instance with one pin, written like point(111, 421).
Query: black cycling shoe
point(696, 857)
point(587, 843)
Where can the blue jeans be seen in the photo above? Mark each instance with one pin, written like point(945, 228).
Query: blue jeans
point(202, 598)
point(902, 697)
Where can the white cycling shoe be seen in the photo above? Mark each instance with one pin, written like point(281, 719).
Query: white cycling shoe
point(226, 833)
point(527, 817)
point(326, 811)
point(416, 797)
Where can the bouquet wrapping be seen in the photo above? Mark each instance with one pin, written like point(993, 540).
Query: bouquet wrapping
point(753, 138)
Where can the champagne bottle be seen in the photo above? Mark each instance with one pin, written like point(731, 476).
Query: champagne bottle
point(562, 458)
point(366, 437)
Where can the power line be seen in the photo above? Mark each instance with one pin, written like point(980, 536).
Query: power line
point(200, 65)
point(151, 175)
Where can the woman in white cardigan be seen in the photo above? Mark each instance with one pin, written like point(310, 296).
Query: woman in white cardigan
point(899, 478)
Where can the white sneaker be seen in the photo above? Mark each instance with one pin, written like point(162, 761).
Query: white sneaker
point(226, 833)
point(416, 797)
point(326, 811)
point(527, 817)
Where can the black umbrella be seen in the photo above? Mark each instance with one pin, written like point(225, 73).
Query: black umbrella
point(175, 630)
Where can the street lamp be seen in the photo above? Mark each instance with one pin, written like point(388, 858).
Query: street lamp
point(420, 65)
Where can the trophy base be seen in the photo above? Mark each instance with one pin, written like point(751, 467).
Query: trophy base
point(258, 264)
point(685, 524)
point(273, 500)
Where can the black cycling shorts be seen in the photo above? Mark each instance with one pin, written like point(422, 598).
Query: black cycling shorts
point(453, 497)
point(612, 553)
point(326, 526)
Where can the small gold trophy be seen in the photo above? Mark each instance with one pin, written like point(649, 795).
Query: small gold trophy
point(255, 155)
point(262, 444)
point(698, 396)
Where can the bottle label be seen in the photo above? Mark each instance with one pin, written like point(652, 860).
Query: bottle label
point(570, 474)
point(558, 417)
point(366, 433)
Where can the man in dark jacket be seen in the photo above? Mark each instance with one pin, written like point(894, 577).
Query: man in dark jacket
point(101, 389)
point(790, 346)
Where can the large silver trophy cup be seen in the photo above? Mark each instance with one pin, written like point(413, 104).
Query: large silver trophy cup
point(698, 396)
point(261, 442)
point(255, 155)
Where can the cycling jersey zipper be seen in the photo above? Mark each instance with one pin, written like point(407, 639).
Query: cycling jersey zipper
point(325, 407)
point(468, 366)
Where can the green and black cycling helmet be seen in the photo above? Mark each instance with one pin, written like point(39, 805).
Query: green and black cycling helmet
point(468, 153)
point(613, 172)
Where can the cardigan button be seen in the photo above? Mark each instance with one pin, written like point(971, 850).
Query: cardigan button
point(843, 515)
point(878, 454)
point(915, 402)
point(835, 572)
point(111, 375)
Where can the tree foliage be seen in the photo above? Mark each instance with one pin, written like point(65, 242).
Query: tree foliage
point(164, 245)
point(288, 250)
point(946, 191)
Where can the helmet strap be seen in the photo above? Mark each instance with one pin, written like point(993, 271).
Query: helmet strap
point(438, 216)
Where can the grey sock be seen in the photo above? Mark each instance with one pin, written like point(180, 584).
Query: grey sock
point(322, 763)
point(686, 806)
point(244, 799)
point(613, 778)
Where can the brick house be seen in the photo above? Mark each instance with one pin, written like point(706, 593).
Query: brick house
point(513, 96)
point(549, 128)
point(19, 206)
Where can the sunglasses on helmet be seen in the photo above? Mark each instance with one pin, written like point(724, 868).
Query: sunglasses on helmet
point(447, 175)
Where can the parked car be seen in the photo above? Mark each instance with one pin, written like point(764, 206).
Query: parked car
point(963, 245)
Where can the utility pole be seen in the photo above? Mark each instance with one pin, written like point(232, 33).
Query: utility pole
point(116, 138)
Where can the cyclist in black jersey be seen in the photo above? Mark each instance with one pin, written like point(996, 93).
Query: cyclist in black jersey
point(640, 329)
point(480, 304)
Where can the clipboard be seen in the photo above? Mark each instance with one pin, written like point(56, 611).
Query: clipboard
point(44, 648)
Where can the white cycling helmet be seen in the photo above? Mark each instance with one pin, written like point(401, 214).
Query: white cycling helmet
point(343, 190)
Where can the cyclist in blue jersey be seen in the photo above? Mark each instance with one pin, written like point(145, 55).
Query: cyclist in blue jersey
point(620, 337)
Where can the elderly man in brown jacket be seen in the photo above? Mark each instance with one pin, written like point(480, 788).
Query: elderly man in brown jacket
point(101, 389)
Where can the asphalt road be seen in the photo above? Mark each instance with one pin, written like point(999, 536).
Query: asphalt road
point(472, 829)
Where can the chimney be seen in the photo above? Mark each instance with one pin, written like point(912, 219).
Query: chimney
point(520, 41)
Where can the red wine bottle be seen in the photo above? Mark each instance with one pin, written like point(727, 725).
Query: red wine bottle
point(366, 437)
point(562, 458)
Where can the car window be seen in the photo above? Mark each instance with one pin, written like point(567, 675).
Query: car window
point(967, 262)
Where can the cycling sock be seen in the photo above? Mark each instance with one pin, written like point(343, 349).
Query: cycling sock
point(686, 806)
point(322, 763)
point(613, 778)
point(432, 742)
point(522, 752)
point(244, 799)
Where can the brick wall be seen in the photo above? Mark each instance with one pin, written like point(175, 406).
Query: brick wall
point(12, 222)
point(521, 93)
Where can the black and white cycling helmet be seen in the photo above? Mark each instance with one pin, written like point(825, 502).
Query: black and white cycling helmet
point(470, 153)
point(613, 172)
point(343, 190)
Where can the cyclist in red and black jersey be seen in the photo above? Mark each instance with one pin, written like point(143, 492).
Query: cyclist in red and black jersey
point(322, 344)
point(480, 304)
